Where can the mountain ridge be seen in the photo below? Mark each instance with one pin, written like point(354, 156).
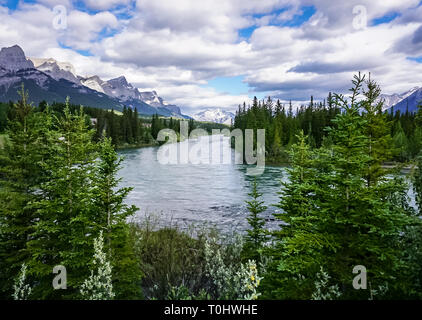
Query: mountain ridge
point(52, 81)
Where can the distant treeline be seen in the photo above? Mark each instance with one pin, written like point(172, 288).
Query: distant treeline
point(124, 128)
point(282, 124)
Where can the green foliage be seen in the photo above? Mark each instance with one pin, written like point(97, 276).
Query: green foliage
point(340, 208)
point(257, 235)
point(229, 281)
point(169, 258)
point(323, 290)
point(20, 175)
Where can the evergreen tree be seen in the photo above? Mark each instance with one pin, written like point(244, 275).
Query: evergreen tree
point(111, 214)
point(256, 235)
point(66, 225)
point(20, 175)
point(334, 218)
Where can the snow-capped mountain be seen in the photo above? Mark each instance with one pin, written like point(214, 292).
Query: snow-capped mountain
point(57, 70)
point(94, 83)
point(51, 80)
point(410, 102)
point(214, 115)
point(393, 99)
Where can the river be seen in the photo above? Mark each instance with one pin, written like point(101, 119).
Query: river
point(213, 194)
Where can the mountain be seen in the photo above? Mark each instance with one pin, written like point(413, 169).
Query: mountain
point(148, 102)
point(394, 99)
point(57, 70)
point(14, 59)
point(41, 87)
point(410, 102)
point(214, 115)
point(52, 81)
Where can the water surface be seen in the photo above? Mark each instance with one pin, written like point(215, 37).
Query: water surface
point(202, 193)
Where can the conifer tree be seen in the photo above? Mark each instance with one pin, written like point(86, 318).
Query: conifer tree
point(111, 214)
point(334, 218)
point(256, 235)
point(67, 219)
point(20, 175)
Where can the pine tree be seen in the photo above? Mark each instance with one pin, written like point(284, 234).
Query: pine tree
point(334, 218)
point(256, 235)
point(363, 213)
point(297, 251)
point(66, 225)
point(20, 175)
point(111, 214)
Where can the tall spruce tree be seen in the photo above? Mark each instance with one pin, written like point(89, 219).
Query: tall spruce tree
point(111, 214)
point(64, 232)
point(256, 235)
point(20, 175)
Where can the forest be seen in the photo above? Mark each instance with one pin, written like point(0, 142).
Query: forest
point(282, 124)
point(61, 204)
point(127, 129)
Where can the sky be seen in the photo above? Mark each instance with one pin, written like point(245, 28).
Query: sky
point(219, 53)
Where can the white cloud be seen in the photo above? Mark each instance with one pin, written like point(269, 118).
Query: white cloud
point(175, 47)
point(105, 4)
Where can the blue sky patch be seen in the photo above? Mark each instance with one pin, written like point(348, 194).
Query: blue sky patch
point(298, 20)
point(85, 53)
point(417, 59)
point(385, 19)
point(230, 85)
point(306, 13)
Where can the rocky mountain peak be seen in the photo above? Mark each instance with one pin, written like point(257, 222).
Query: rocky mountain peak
point(119, 81)
point(13, 59)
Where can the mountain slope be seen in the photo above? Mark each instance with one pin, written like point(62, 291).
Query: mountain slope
point(409, 103)
point(393, 99)
point(43, 87)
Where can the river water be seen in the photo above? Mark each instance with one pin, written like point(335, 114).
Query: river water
point(212, 193)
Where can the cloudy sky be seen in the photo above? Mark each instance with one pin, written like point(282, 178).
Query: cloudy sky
point(219, 53)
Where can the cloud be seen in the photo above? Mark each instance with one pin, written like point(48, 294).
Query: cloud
point(176, 47)
point(417, 36)
point(106, 4)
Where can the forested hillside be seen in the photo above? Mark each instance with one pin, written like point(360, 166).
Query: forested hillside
point(282, 123)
